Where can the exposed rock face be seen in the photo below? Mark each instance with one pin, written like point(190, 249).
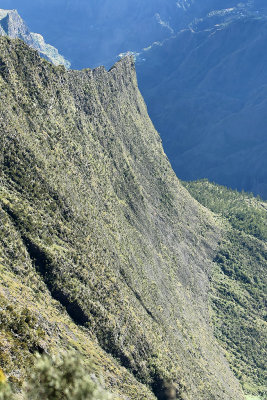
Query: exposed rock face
point(12, 25)
point(96, 221)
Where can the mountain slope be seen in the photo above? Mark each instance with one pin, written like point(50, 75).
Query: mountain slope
point(12, 25)
point(238, 283)
point(95, 221)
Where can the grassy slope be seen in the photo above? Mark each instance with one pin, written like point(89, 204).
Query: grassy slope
point(239, 281)
point(31, 321)
point(96, 219)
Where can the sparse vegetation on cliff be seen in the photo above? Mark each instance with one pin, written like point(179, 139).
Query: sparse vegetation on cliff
point(102, 251)
point(239, 281)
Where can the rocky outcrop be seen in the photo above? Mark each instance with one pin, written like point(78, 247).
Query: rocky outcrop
point(12, 25)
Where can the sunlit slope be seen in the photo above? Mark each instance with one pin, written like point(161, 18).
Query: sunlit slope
point(238, 282)
point(96, 219)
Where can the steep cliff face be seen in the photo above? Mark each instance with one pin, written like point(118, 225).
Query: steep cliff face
point(12, 25)
point(112, 253)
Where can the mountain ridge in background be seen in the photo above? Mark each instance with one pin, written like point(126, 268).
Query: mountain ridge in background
point(12, 25)
point(205, 90)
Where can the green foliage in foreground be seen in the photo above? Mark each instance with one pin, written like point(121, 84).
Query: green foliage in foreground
point(6, 392)
point(244, 212)
point(59, 379)
point(239, 281)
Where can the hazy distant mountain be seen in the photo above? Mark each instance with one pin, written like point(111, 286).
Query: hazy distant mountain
point(91, 33)
point(12, 25)
point(206, 91)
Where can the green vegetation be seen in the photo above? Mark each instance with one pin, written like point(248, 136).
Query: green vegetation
point(253, 398)
point(5, 392)
point(63, 379)
point(244, 212)
point(239, 282)
point(59, 378)
point(21, 323)
point(22, 332)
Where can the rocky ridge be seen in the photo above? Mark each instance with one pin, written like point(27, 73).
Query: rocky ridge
point(12, 25)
